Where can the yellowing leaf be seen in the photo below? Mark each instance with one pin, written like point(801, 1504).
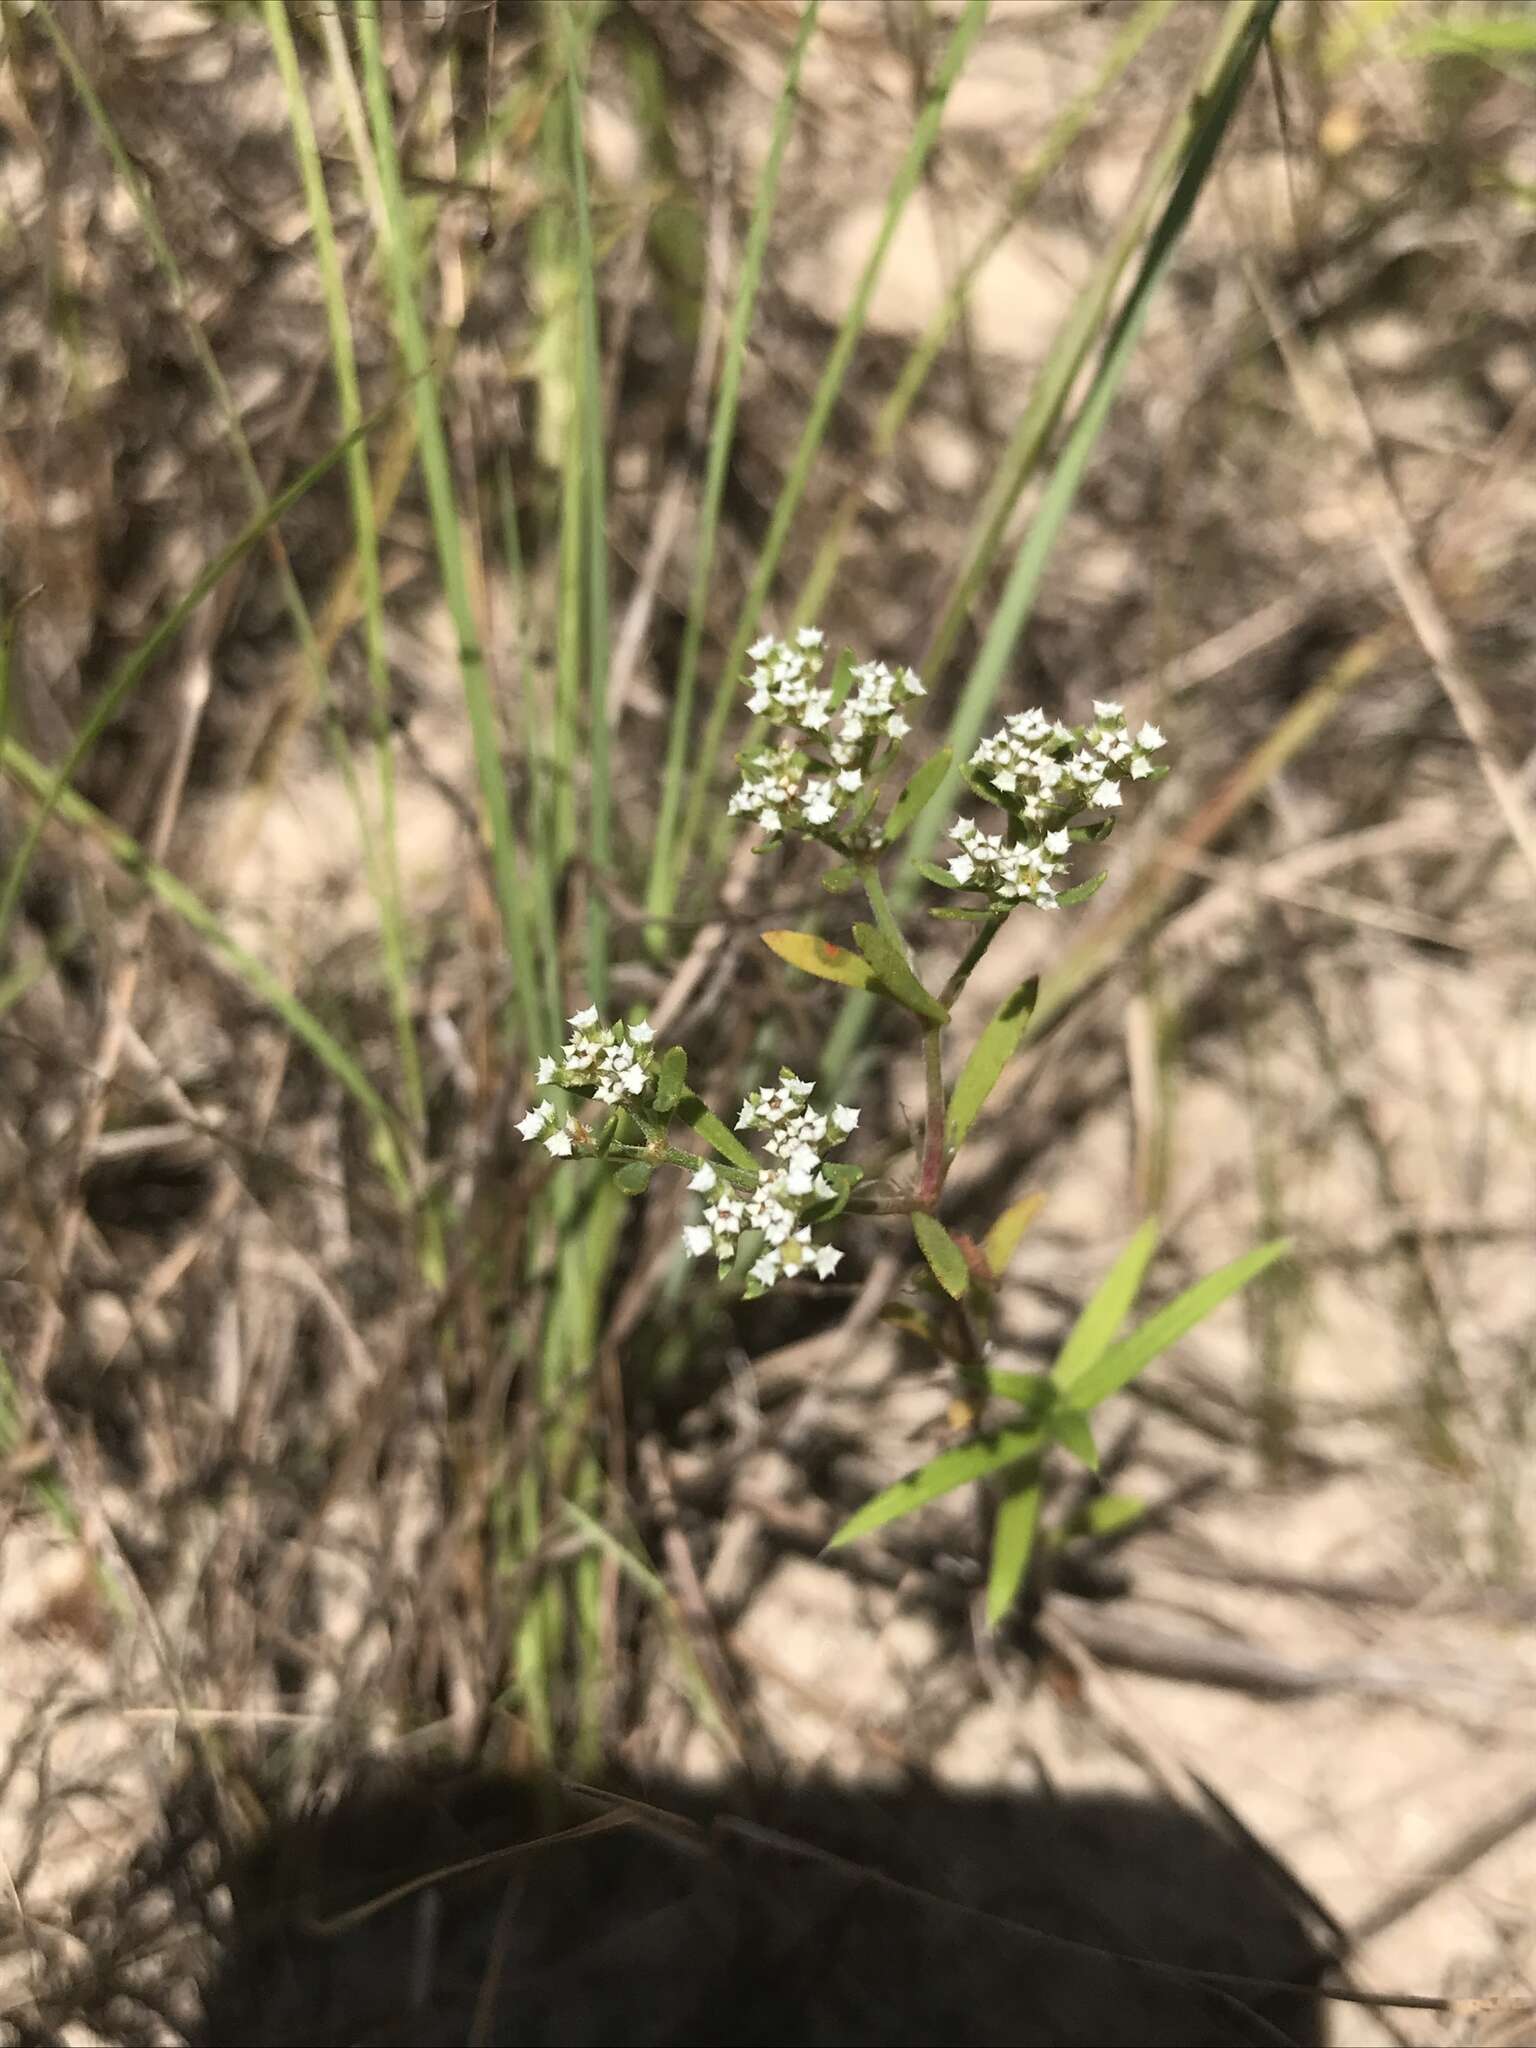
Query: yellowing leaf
point(821, 958)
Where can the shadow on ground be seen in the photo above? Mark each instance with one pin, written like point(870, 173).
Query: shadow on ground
point(484, 1910)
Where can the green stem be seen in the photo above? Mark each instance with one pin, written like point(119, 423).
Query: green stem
point(932, 1183)
point(985, 935)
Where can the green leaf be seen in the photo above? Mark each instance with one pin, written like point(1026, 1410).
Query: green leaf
point(842, 677)
point(1111, 1511)
point(1083, 890)
point(1094, 1330)
point(633, 1177)
point(990, 1054)
point(671, 1079)
point(1013, 1538)
point(821, 958)
point(941, 1475)
point(1002, 1240)
point(1031, 1390)
point(942, 1254)
point(1091, 835)
point(1117, 1366)
point(1069, 1426)
point(963, 916)
point(713, 1132)
point(840, 879)
point(895, 977)
point(941, 878)
point(922, 786)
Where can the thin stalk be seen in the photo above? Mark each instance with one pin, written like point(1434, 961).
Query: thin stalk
point(437, 473)
point(924, 135)
point(661, 885)
point(931, 1186)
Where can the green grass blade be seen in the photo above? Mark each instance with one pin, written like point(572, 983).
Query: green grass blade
point(924, 134)
point(132, 669)
point(593, 551)
point(196, 915)
point(1094, 1331)
point(661, 886)
point(1242, 40)
point(1013, 1541)
point(384, 859)
point(1119, 1365)
point(437, 474)
point(941, 1475)
point(1030, 183)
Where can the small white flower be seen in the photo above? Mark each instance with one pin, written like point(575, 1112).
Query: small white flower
point(770, 820)
point(827, 1260)
point(851, 780)
point(559, 1142)
point(703, 1180)
point(546, 1071)
point(962, 867)
point(846, 1119)
point(760, 648)
point(1104, 710)
point(697, 1240)
point(634, 1080)
point(640, 1034)
point(1150, 738)
point(1141, 768)
point(585, 1019)
point(896, 726)
point(809, 636)
point(533, 1124)
point(766, 1270)
point(1107, 796)
point(1058, 842)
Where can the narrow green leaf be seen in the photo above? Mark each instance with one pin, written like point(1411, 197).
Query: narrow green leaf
point(922, 786)
point(941, 878)
point(963, 916)
point(633, 1177)
point(1094, 1330)
point(1110, 1512)
point(1002, 1240)
point(1120, 1364)
point(895, 977)
point(713, 1132)
point(1069, 1426)
point(990, 1054)
point(942, 1254)
point(1031, 1390)
point(820, 957)
point(671, 1079)
point(1083, 890)
point(941, 1475)
point(1013, 1539)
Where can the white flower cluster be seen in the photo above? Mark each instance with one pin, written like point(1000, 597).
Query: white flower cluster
point(1015, 874)
point(782, 787)
point(795, 1139)
point(613, 1064)
point(1040, 767)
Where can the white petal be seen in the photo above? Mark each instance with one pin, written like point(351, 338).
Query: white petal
point(1102, 710)
point(634, 1080)
point(1141, 768)
point(559, 1142)
point(1058, 842)
point(640, 1034)
point(827, 1260)
point(697, 1240)
point(1150, 738)
point(766, 1271)
point(546, 1071)
point(585, 1019)
point(1107, 796)
point(532, 1125)
point(845, 1118)
point(809, 636)
point(962, 867)
point(703, 1180)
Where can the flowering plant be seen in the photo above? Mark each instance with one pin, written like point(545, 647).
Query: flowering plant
point(835, 739)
